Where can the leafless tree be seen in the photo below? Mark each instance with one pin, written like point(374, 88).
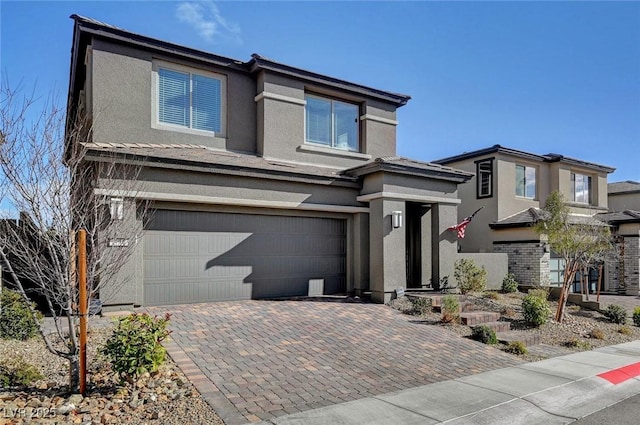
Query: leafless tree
point(47, 179)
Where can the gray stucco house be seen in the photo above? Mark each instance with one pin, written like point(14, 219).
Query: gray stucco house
point(266, 180)
point(512, 187)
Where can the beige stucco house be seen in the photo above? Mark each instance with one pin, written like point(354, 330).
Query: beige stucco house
point(266, 180)
point(513, 186)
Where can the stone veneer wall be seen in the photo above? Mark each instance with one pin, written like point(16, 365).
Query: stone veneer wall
point(528, 261)
point(632, 264)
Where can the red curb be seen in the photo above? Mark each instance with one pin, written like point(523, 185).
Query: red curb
point(617, 376)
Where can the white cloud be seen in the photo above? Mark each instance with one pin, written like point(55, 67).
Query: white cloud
point(206, 20)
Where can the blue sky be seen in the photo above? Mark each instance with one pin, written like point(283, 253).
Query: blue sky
point(537, 76)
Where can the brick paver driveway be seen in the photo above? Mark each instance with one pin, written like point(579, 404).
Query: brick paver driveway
point(255, 360)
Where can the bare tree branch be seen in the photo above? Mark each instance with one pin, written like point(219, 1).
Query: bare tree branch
point(47, 179)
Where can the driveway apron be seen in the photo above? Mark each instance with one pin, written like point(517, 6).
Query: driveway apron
point(255, 360)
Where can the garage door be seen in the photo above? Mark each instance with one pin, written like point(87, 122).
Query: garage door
point(198, 256)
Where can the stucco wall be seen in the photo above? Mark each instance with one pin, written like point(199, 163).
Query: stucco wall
point(496, 265)
point(624, 201)
point(122, 102)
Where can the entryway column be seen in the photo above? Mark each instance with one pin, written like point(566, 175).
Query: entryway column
point(388, 249)
point(445, 246)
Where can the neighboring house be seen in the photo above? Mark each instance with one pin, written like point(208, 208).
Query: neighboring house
point(624, 217)
point(513, 186)
point(266, 180)
point(624, 196)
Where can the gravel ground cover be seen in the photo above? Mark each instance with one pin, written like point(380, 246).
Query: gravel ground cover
point(581, 329)
point(165, 397)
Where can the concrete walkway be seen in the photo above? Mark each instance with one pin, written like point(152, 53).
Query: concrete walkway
point(555, 391)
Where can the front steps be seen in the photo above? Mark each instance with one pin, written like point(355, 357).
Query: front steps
point(470, 316)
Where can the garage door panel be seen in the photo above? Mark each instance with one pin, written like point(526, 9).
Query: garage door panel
point(199, 256)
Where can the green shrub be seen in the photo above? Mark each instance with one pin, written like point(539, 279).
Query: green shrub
point(15, 371)
point(535, 309)
point(450, 309)
point(509, 284)
point(469, 276)
point(484, 334)
point(636, 316)
point(616, 313)
point(516, 347)
point(16, 319)
point(135, 346)
point(421, 305)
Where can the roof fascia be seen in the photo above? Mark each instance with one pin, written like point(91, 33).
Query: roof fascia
point(258, 63)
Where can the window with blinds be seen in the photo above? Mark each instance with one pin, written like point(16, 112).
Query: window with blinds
point(190, 100)
point(484, 178)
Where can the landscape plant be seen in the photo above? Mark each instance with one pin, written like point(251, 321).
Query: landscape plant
point(15, 371)
point(535, 308)
point(16, 318)
point(135, 345)
point(516, 347)
point(450, 309)
point(421, 305)
point(636, 316)
point(580, 244)
point(484, 334)
point(47, 179)
point(469, 276)
point(509, 284)
point(616, 314)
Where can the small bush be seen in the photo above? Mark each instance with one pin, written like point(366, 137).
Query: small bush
point(509, 284)
point(516, 347)
point(421, 305)
point(492, 295)
point(625, 330)
point(615, 313)
point(135, 346)
point(596, 333)
point(450, 309)
point(535, 309)
point(636, 316)
point(15, 371)
point(578, 343)
point(16, 319)
point(469, 276)
point(484, 334)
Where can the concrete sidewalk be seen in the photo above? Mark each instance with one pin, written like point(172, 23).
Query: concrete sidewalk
point(555, 391)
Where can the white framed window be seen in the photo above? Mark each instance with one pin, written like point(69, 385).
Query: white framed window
point(484, 175)
point(332, 123)
point(189, 100)
point(525, 181)
point(580, 188)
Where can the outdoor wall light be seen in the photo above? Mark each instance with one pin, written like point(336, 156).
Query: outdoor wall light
point(396, 219)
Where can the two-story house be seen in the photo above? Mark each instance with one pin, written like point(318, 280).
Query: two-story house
point(266, 180)
point(624, 217)
point(512, 187)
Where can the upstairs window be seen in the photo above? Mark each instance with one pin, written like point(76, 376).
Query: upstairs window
point(190, 100)
point(484, 175)
point(525, 181)
point(331, 123)
point(580, 188)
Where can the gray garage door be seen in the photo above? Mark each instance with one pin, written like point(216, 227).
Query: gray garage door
point(198, 256)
